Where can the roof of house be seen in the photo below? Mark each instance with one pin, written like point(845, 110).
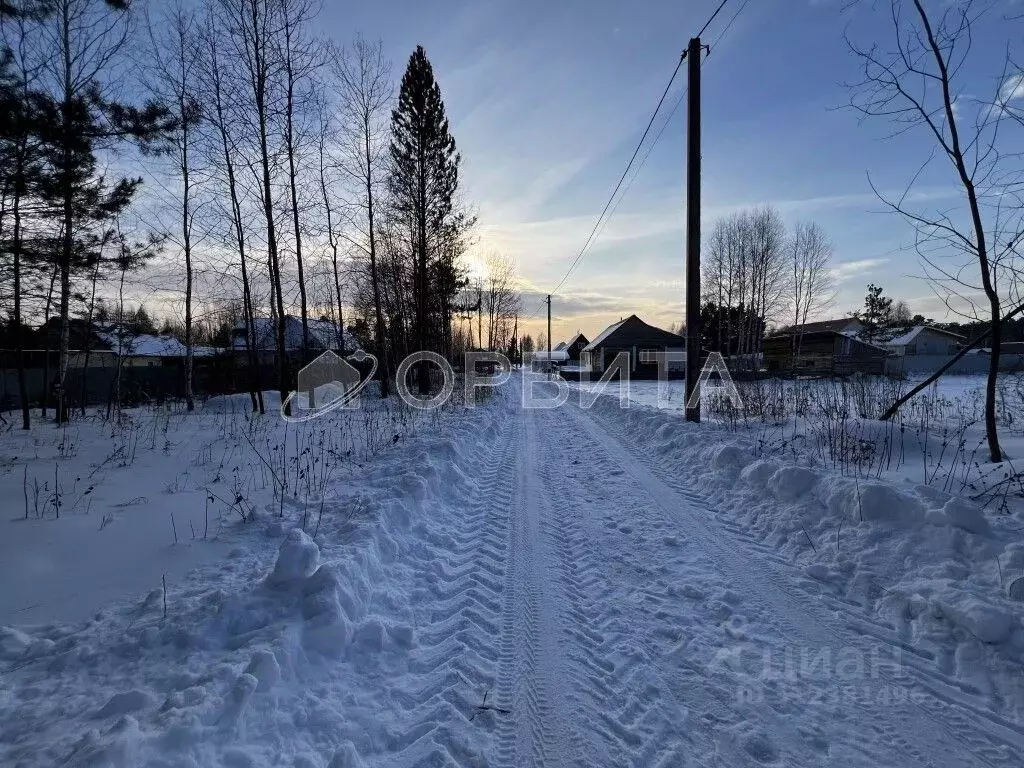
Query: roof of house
point(838, 324)
point(323, 333)
point(600, 338)
point(782, 338)
point(122, 342)
point(908, 336)
point(578, 337)
point(557, 355)
point(635, 324)
point(561, 345)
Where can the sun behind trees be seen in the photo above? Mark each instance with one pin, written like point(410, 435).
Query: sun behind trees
point(273, 175)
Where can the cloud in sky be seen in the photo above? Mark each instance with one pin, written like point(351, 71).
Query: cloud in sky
point(636, 264)
point(1012, 88)
point(547, 101)
point(850, 269)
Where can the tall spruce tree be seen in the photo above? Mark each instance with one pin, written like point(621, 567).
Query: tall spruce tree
point(423, 180)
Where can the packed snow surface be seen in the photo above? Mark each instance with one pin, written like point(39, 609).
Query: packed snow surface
point(500, 586)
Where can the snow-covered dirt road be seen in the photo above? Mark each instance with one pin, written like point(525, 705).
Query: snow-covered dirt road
point(513, 588)
point(637, 630)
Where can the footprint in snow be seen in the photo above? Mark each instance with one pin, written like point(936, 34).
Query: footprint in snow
point(760, 747)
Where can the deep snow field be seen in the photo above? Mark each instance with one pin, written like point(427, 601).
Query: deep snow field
point(357, 590)
point(905, 519)
point(936, 439)
point(158, 500)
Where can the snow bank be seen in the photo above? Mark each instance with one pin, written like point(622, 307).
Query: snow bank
point(294, 650)
point(933, 564)
point(241, 402)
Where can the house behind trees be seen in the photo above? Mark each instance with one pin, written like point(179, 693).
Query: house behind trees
point(925, 340)
point(822, 353)
point(850, 326)
point(323, 335)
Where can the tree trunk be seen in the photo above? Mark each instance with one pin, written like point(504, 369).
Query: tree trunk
point(186, 232)
point(423, 372)
point(67, 240)
point(88, 339)
point(292, 183)
point(991, 428)
point(248, 311)
point(268, 205)
point(378, 332)
point(19, 342)
point(46, 343)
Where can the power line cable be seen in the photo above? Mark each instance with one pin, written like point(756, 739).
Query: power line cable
point(601, 218)
point(657, 136)
point(622, 178)
point(713, 15)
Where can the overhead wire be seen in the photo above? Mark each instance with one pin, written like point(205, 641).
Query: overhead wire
point(612, 204)
point(664, 125)
point(615, 191)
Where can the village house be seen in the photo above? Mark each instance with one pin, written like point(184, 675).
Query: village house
point(323, 335)
point(848, 326)
point(822, 353)
point(575, 347)
point(101, 345)
point(545, 362)
point(147, 350)
point(640, 342)
point(925, 340)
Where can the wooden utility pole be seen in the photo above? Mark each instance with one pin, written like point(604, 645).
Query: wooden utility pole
point(549, 333)
point(693, 329)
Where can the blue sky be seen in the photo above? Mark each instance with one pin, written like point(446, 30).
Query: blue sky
point(547, 99)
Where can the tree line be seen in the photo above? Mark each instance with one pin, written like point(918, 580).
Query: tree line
point(756, 273)
point(253, 167)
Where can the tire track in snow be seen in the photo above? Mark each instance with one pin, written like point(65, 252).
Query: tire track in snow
point(947, 699)
point(934, 728)
point(613, 695)
point(639, 699)
point(946, 693)
point(462, 568)
point(530, 686)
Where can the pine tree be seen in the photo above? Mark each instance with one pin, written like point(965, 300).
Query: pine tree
point(142, 322)
point(22, 171)
point(423, 180)
point(877, 314)
point(86, 37)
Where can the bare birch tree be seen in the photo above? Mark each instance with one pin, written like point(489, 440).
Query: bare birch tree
point(500, 300)
point(810, 253)
point(175, 58)
point(252, 26)
point(364, 82)
point(918, 82)
point(300, 57)
point(222, 146)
